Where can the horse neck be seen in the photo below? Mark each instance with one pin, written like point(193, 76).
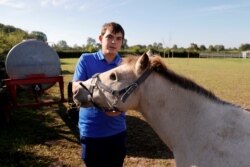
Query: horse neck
point(171, 110)
point(195, 127)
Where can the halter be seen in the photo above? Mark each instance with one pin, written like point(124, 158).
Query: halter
point(121, 94)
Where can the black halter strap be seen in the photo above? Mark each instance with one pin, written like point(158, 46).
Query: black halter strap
point(125, 92)
point(90, 97)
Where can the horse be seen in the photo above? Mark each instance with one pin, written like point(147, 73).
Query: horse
point(201, 129)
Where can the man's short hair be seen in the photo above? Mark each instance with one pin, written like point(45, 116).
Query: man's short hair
point(114, 27)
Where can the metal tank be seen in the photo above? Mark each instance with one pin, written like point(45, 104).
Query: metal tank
point(32, 58)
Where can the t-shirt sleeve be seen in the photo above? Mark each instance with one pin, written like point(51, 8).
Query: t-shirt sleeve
point(80, 73)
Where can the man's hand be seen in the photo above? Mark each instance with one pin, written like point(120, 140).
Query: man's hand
point(75, 86)
point(113, 113)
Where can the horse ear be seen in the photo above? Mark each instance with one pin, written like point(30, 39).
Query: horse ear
point(149, 53)
point(142, 63)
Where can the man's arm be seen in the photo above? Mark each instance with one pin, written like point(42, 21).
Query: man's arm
point(75, 85)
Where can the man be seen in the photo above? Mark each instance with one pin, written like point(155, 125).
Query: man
point(103, 135)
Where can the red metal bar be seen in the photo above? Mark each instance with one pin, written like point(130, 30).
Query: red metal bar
point(34, 79)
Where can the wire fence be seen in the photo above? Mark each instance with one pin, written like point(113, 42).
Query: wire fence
point(224, 55)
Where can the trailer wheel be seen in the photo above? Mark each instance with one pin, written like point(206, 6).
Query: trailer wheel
point(73, 110)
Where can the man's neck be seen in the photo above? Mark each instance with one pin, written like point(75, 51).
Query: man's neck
point(109, 58)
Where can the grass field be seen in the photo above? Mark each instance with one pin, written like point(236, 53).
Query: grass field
point(47, 136)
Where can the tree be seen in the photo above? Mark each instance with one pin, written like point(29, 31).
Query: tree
point(244, 47)
point(90, 44)
point(8, 28)
point(193, 47)
point(158, 45)
point(125, 44)
point(91, 41)
point(203, 48)
point(98, 46)
point(77, 47)
point(219, 48)
point(175, 47)
point(211, 48)
point(10, 36)
point(137, 49)
point(62, 44)
point(38, 35)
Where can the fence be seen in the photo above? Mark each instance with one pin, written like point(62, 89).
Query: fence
point(221, 55)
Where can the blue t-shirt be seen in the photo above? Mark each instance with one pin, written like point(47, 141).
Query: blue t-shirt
point(92, 121)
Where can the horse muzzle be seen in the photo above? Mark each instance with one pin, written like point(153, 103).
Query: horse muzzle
point(82, 97)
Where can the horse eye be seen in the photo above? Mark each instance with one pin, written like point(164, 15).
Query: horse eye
point(112, 76)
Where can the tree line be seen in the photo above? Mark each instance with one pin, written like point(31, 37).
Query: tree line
point(10, 36)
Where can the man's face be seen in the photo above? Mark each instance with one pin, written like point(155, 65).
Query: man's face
point(111, 43)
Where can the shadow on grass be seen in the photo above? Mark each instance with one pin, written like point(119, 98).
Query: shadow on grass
point(143, 141)
point(67, 72)
point(70, 120)
point(18, 158)
point(32, 130)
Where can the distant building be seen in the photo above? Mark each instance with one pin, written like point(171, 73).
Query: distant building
point(245, 54)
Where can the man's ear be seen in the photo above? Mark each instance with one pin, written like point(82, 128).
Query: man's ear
point(142, 63)
point(100, 38)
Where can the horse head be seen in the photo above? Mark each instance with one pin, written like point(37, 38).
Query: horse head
point(116, 89)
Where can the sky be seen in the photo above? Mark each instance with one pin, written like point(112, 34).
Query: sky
point(204, 22)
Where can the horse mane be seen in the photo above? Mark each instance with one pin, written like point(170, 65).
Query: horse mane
point(159, 66)
point(130, 59)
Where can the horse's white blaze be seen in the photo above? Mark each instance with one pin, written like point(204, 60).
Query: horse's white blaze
point(201, 131)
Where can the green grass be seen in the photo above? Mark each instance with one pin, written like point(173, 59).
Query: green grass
point(47, 136)
point(228, 78)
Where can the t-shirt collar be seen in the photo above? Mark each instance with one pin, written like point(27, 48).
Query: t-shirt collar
point(117, 59)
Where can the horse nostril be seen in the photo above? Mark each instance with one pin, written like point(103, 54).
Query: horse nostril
point(112, 76)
